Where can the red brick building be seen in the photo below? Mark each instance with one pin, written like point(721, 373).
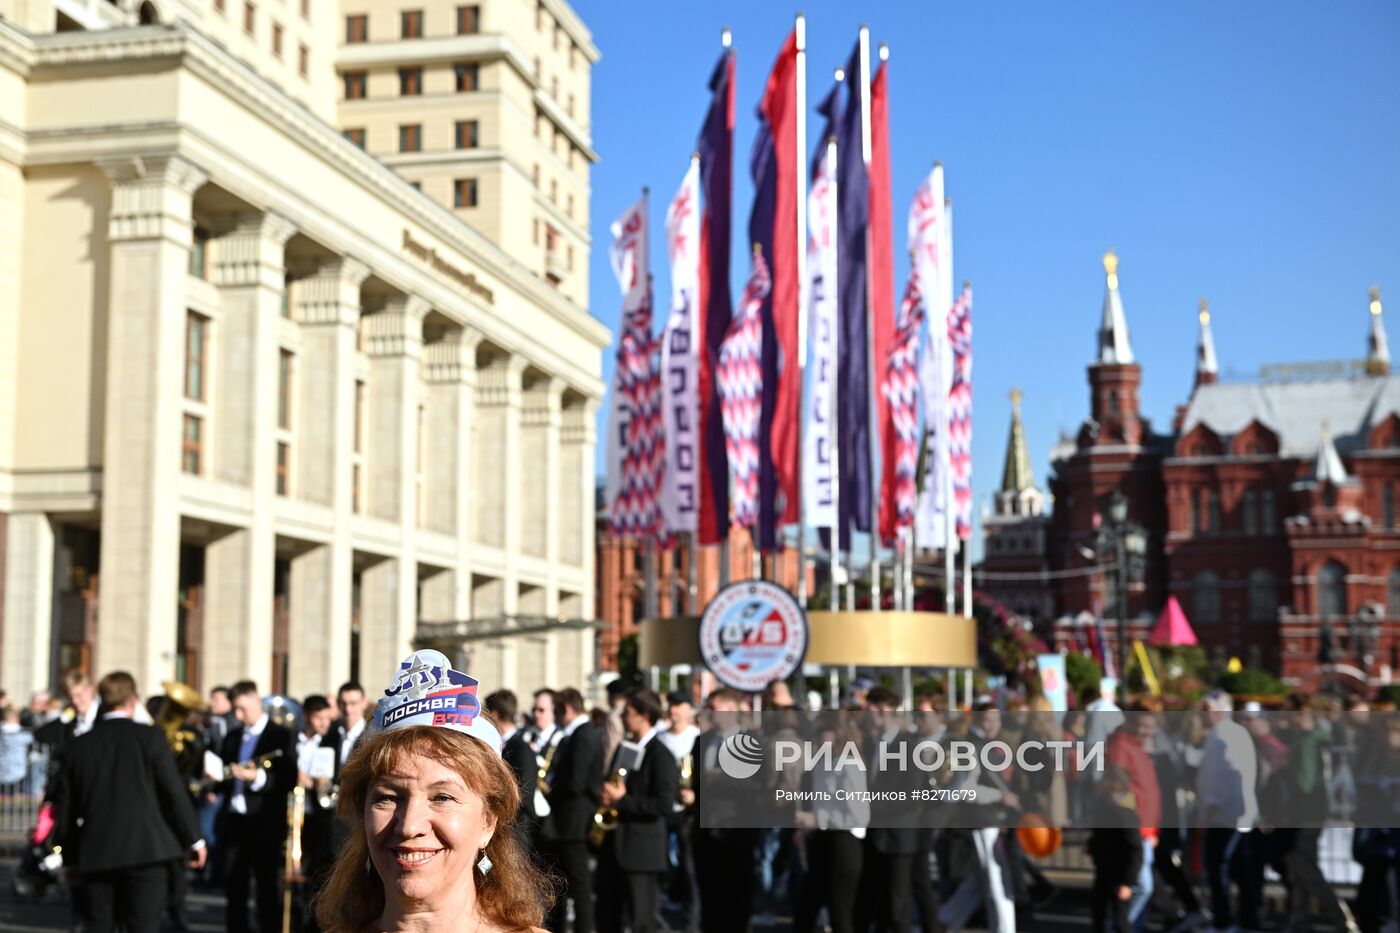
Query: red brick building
point(1270, 508)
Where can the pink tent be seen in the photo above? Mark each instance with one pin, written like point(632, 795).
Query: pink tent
point(1172, 627)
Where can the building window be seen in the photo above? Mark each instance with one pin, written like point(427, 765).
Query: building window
point(539, 69)
point(420, 458)
point(1263, 596)
point(535, 175)
point(554, 88)
point(218, 6)
point(1331, 590)
point(1268, 521)
point(573, 55)
point(359, 416)
point(554, 191)
point(1213, 512)
point(1387, 506)
point(284, 389)
point(468, 76)
point(196, 355)
point(569, 108)
point(250, 18)
point(535, 232)
point(556, 37)
point(468, 19)
point(356, 29)
point(464, 192)
point(1113, 402)
point(410, 82)
point(1329, 495)
point(1205, 597)
point(467, 131)
point(199, 254)
point(306, 10)
point(284, 463)
point(1392, 593)
point(354, 85)
point(303, 60)
point(410, 137)
point(277, 40)
point(356, 136)
point(570, 209)
point(192, 445)
point(1195, 514)
point(1249, 512)
point(411, 24)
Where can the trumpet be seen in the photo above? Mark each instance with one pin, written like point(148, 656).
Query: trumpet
point(605, 818)
point(263, 761)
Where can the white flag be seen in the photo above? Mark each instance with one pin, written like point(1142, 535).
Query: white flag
point(680, 406)
point(930, 242)
point(626, 487)
point(818, 435)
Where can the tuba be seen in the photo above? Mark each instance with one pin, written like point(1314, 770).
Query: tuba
point(175, 707)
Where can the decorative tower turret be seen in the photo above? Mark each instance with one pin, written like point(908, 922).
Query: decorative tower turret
point(1207, 369)
point(1115, 375)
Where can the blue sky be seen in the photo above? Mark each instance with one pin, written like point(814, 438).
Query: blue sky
point(1247, 152)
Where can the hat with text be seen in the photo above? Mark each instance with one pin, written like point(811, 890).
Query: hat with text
point(428, 692)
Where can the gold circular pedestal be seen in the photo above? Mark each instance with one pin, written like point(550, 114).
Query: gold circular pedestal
point(865, 639)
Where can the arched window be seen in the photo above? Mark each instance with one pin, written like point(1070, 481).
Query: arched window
point(1392, 593)
point(1332, 590)
point(1213, 511)
point(1268, 521)
point(1387, 506)
point(1205, 597)
point(1263, 596)
point(148, 14)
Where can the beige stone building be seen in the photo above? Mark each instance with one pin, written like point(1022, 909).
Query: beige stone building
point(266, 409)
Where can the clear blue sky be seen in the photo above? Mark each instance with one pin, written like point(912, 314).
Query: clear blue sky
point(1247, 152)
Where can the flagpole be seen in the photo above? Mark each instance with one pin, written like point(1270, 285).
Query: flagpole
point(967, 550)
point(945, 294)
point(726, 40)
point(870, 402)
point(803, 287)
point(836, 563)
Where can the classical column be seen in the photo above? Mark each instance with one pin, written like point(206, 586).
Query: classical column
point(326, 306)
point(250, 271)
point(540, 419)
point(149, 241)
point(578, 439)
point(394, 342)
point(497, 477)
point(28, 608)
point(449, 372)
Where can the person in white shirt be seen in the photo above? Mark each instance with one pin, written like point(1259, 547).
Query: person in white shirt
point(679, 735)
point(354, 710)
point(1229, 809)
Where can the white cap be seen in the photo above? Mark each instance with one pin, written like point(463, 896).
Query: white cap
point(428, 692)
point(1252, 706)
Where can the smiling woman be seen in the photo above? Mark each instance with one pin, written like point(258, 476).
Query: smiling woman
point(433, 840)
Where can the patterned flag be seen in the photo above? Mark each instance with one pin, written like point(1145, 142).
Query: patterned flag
point(739, 377)
point(927, 233)
point(636, 453)
point(901, 391)
point(960, 411)
point(818, 436)
point(680, 491)
point(882, 310)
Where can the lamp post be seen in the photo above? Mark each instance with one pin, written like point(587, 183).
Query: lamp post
point(1128, 543)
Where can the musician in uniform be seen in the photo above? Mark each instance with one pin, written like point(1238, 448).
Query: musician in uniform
point(574, 776)
point(724, 858)
point(500, 707)
point(122, 815)
point(318, 853)
point(885, 896)
point(633, 855)
point(253, 821)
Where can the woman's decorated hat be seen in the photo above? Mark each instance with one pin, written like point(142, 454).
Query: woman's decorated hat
point(428, 692)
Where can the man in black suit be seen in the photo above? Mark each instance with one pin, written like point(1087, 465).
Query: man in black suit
point(501, 708)
point(633, 856)
point(253, 822)
point(123, 816)
point(575, 775)
point(886, 890)
point(724, 857)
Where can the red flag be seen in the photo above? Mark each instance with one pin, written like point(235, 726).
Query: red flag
point(773, 223)
point(881, 247)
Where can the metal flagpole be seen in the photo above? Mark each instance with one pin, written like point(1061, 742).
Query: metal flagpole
point(945, 294)
point(803, 287)
point(837, 572)
point(726, 39)
point(872, 375)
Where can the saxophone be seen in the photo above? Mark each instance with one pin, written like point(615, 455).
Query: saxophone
point(542, 782)
point(605, 818)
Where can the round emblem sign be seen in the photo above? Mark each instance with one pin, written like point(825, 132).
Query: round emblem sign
point(753, 633)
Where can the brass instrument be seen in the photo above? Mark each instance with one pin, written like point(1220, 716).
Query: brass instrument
point(291, 870)
point(688, 772)
point(605, 818)
point(542, 782)
point(327, 793)
point(262, 761)
point(179, 701)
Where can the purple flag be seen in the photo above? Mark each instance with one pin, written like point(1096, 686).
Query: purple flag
point(853, 351)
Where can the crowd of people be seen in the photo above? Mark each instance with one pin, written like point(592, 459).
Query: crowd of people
point(603, 808)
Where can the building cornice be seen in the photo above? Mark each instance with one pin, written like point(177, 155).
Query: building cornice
point(566, 123)
point(155, 45)
point(472, 48)
point(574, 26)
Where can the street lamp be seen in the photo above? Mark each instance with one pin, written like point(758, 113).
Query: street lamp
point(1128, 543)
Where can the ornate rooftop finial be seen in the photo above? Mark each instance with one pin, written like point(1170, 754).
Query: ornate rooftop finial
point(1207, 370)
point(1015, 397)
point(1377, 346)
point(1205, 312)
point(1114, 345)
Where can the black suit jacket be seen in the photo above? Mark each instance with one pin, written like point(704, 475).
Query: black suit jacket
point(119, 801)
point(639, 841)
point(269, 803)
point(577, 774)
point(885, 835)
point(707, 779)
point(521, 757)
